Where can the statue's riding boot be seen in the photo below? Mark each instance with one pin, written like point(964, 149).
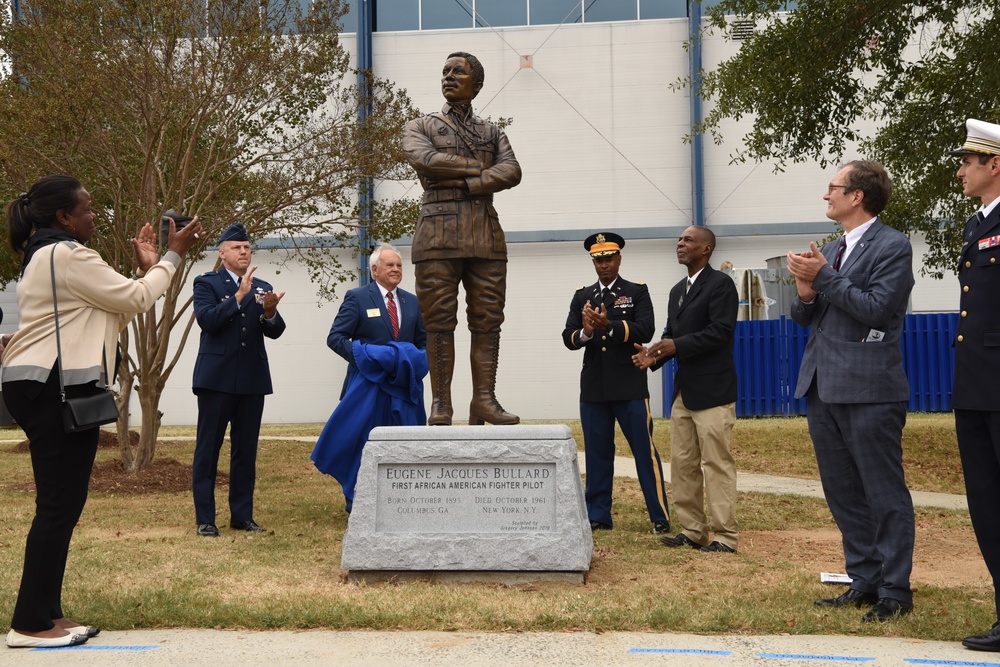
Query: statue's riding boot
point(485, 408)
point(441, 359)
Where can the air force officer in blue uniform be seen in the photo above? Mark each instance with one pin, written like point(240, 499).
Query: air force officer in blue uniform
point(231, 376)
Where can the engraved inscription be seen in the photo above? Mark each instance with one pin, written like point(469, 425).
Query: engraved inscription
point(466, 497)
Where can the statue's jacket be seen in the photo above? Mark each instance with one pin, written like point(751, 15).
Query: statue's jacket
point(459, 222)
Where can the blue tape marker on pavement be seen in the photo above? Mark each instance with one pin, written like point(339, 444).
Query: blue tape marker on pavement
point(94, 648)
point(801, 656)
point(957, 663)
point(699, 651)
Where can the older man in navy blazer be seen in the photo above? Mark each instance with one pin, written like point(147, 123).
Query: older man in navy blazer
point(364, 314)
point(379, 314)
point(231, 376)
point(854, 295)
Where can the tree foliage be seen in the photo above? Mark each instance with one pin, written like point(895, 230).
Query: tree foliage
point(816, 80)
point(226, 109)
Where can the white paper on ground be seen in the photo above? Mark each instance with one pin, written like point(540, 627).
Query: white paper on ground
point(834, 578)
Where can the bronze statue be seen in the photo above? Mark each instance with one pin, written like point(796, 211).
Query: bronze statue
point(461, 161)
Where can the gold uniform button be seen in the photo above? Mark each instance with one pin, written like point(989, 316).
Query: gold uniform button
point(968, 264)
point(604, 349)
point(960, 339)
point(964, 313)
point(604, 337)
point(993, 260)
point(965, 289)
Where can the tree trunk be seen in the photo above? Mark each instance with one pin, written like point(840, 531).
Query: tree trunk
point(149, 400)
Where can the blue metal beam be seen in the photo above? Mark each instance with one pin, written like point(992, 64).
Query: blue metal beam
point(697, 150)
point(366, 186)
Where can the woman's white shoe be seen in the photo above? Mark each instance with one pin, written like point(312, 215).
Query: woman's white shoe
point(16, 640)
point(88, 630)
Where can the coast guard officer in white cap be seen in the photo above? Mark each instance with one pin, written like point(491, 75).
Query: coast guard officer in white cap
point(975, 398)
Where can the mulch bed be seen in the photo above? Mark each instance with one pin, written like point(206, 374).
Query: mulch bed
point(164, 475)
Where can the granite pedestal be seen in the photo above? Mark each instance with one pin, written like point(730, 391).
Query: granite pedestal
point(469, 503)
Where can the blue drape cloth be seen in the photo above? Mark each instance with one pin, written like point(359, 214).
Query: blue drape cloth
point(388, 390)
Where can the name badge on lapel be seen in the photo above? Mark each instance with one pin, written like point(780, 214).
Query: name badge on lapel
point(374, 312)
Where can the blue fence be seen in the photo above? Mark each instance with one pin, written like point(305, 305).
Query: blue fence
point(768, 354)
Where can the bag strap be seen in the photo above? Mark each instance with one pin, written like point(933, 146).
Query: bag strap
point(55, 308)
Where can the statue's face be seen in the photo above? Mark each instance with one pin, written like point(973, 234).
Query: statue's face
point(456, 81)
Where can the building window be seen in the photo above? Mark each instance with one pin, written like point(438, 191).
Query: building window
point(609, 10)
point(662, 9)
point(349, 21)
point(554, 11)
point(495, 13)
point(443, 14)
point(396, 15)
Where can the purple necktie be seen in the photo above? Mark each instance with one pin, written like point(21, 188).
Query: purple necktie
point(840, 253)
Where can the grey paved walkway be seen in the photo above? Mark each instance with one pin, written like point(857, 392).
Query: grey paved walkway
point(208, 648)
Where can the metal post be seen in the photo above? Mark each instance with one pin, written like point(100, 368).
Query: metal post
point(697, 149)
point(366, 186)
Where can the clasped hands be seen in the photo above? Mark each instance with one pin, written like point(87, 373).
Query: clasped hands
point(647, 356)
point(804, 267)
point(270, 300)
point(595, 319)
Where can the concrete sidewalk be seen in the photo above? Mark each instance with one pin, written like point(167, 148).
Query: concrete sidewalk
point(212, 648)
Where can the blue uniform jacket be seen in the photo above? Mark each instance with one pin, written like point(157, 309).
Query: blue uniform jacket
point(231, 356)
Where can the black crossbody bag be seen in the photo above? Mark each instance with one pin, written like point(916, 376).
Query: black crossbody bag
point(82, 412)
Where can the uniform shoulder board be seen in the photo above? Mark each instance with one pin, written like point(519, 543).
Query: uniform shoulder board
point(640, 283)
point(581, 287)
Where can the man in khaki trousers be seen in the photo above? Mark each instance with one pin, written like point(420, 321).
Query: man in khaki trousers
point(701, 322)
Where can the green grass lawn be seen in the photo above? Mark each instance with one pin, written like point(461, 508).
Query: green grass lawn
point(137, 563)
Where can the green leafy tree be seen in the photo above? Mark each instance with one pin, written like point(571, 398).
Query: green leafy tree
point(812, 78)
point(226, 109)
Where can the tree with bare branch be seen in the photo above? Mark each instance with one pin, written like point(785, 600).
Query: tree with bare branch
point(226, 109)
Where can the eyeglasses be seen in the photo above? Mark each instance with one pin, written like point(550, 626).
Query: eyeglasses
point(830, 188)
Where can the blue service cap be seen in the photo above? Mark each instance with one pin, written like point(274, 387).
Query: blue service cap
point(234, 232)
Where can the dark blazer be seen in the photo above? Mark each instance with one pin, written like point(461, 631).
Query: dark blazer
point(977, 340)
point(608, 372)
point(231, 356)
point(857, 317)
point(703, 328)
point(357, 320)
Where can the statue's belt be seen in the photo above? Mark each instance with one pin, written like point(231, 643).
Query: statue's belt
point(451, 194)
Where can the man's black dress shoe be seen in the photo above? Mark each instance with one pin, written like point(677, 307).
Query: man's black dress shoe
point(988, 641)
point(718, 547)
point(250, 526)
point(681, 540)
point(661, 527)
point(597, 525)
point(208, 530)
point(851, 597)
point(887, 609)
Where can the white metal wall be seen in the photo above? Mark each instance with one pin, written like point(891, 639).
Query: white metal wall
point(599, 136)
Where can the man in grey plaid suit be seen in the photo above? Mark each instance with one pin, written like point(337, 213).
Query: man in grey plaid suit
point(854, 295)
